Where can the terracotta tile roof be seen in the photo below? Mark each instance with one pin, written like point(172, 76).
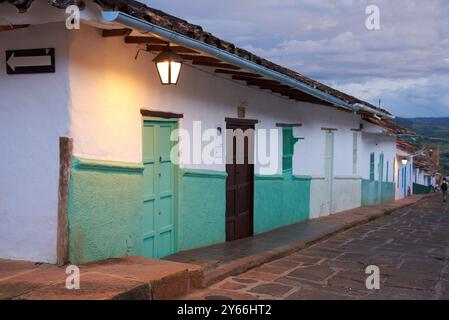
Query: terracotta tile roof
point(390, 126)
point(160, 18)
point(425, 162)
point(408, 146)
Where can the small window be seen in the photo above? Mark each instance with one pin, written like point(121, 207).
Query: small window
point(371, 167)
point(287, 149)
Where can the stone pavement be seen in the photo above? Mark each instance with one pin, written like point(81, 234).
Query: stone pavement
point(123, 278)
point(232, 258)
point(410, 247)
point(140, 278)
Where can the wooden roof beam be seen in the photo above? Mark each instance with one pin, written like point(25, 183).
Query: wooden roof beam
point(216, 65)
point(256, 82)
point(13, 26)
point(238, 73)
point(176, 49)
point(145, 40)
point(200, 58)
point(116, 32)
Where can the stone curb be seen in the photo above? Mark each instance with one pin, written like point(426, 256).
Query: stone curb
point(242, 265)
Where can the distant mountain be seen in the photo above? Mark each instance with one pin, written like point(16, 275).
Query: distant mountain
point(427, 127)
point(431, 132)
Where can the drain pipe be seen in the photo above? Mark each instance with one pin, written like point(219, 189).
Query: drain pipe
point(376, 112)
point(147, 27)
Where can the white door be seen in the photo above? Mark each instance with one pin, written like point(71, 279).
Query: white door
point(329, 170)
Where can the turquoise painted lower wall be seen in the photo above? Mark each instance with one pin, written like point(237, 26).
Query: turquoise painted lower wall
point(280, 200)
point(375, 192)
point(202, 208)
point(421, 189)
point(105, 210)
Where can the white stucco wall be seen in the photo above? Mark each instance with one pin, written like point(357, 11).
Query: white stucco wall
point(104, 88)
point(33, 115)
point(109, 87)
point(377, 143)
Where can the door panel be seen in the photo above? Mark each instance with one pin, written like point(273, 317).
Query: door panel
point(239, 191)
point(329, 171)
point(159, 192)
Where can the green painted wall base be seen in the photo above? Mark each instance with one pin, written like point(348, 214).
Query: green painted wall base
point(280, 200)
point(421, 189)
point(202, 208)
point(105, 210)
point(375, 192)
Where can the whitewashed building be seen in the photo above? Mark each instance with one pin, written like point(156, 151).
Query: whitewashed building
point(87, 171)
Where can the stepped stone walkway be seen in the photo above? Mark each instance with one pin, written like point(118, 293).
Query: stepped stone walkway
point(123, 278)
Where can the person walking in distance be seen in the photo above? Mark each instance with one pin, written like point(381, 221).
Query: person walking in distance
point(444, 187)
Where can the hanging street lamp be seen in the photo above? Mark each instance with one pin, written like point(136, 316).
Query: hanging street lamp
point(168, 66)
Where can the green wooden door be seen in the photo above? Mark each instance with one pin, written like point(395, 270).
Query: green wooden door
point(159, 190)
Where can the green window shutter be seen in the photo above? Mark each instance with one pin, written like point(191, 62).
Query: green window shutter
point(288, 143)
point(354, 153)
point(371, 167)
point(381, 168)
point(388, 164)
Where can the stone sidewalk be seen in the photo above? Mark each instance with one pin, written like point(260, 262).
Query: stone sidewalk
point(177, 275)
point(127, 278)
point(232, 258)
point(410, 249)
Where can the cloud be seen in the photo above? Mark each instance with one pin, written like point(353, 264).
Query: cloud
point(375, 88)
point(406, 62)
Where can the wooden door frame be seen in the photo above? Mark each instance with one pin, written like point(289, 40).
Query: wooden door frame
point(176, 186)
point(238, 122)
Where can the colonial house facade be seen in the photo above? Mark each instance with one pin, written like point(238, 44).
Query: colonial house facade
point(88, 170)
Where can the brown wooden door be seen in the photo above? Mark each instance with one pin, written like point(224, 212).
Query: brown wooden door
point(239, 187)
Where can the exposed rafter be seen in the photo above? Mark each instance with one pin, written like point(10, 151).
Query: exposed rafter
point(177, 49)
point(145, 40)
point(238, 73)
point(216, 65)
point(116, 32)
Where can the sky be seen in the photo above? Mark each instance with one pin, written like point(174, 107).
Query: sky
point(405, 63)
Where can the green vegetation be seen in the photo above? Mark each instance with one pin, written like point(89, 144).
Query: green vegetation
point(431, 132)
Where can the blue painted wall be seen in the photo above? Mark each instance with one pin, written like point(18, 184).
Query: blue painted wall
point(280, 200)
point(202, 208)
point(375, 192)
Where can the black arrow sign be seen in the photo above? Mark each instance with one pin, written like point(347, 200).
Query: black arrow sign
point(30, 61)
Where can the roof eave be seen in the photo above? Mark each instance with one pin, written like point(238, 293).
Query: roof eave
point(179, 39)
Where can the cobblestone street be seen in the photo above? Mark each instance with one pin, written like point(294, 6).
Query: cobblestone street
point(410, 246)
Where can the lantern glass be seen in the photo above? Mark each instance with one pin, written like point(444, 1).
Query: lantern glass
point(404, 162)
point(168, 66)
point(175, 69)
point(163, 68)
